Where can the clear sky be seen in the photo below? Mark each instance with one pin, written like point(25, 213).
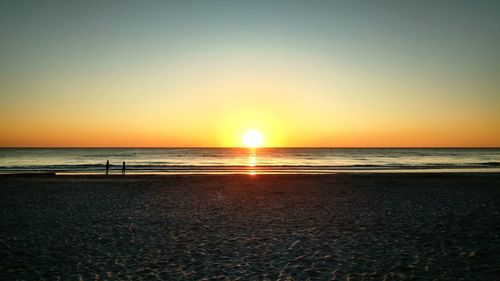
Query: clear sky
point(200, 73)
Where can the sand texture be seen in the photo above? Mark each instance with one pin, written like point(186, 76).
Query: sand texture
point(242, 227)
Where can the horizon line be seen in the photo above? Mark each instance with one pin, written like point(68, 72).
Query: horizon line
point(242, 147)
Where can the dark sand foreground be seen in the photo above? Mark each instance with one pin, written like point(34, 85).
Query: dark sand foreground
point(241, 227)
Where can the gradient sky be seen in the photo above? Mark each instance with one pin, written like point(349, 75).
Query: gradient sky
point(200, 73)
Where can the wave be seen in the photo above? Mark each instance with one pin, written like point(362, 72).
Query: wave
point(496, 164)
point(156, 167)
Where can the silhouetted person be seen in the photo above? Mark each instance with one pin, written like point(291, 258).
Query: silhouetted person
point(107, 167)
point(123, 168)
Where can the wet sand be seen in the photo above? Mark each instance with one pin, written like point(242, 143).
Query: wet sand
point(242, 227)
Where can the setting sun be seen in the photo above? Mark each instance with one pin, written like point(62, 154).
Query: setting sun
point(253, 138)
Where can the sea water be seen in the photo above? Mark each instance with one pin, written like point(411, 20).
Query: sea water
point(242, 160)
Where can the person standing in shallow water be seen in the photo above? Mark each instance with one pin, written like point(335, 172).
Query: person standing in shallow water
point(123, 168)
point(107, 167)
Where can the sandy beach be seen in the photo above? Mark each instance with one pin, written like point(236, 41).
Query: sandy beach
point(242, 227)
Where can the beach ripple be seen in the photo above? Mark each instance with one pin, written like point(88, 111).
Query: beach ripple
point(339, 227)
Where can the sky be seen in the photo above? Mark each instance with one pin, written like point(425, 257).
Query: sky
point(201, 73)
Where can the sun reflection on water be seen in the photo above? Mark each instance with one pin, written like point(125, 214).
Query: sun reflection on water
point(252, 162)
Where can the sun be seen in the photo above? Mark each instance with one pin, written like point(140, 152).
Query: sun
point(253, 138)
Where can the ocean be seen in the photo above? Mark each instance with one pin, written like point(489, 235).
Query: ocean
point(248, 161)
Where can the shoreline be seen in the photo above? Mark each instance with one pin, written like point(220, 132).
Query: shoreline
point(244, 174)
